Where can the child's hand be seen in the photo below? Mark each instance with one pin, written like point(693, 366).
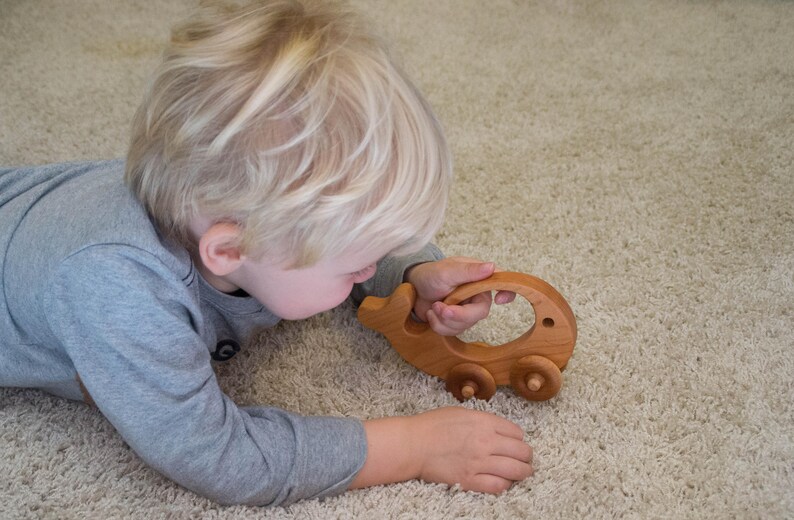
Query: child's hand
point(435, 280)
point(478, 450)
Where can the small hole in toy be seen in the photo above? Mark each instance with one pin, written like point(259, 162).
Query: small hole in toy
point(503, 324)
point(548, 322)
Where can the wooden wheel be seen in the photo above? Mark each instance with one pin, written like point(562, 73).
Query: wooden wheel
point(468, 380)
point(535, 378)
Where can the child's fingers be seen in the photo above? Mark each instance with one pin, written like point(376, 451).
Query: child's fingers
point(510, 440)
point(508, 468)
point(504, 297)
point(461, 270)
point(515, 449)
point(487, 483)
point(467, 312)
point(439, 327)
point(455, 319)
point(508, 428)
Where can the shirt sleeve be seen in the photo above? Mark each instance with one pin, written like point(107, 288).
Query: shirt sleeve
point(136, 348)
point(390, 273)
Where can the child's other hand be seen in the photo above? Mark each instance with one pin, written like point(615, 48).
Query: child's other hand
point(435, 280)
point(478, 450)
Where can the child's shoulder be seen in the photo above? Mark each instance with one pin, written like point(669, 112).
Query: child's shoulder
point(58, 210)
point(32, 182)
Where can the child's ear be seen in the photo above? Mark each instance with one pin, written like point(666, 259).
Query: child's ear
point(218, 248)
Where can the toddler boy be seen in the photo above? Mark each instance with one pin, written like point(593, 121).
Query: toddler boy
point(279, 162)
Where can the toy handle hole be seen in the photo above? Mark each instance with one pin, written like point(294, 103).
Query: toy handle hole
point(504, 324)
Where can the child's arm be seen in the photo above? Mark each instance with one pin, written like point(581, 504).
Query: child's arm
point(128, 324)
point(478, 450)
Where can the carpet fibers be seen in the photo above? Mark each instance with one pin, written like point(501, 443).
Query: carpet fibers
point(636, 155)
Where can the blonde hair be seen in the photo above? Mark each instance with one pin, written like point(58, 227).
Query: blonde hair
point(294, 122)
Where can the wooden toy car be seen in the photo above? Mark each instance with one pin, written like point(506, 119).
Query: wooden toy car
point(530, 363)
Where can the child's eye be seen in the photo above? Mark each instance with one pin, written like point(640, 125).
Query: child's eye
point(367, 270)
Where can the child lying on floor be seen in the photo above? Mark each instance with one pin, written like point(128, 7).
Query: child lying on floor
point(279, 162)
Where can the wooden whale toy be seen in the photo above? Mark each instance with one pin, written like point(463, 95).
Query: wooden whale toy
point(531, 363)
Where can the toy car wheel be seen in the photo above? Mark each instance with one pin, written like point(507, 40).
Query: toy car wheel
point(535, 378)
point(469, 380)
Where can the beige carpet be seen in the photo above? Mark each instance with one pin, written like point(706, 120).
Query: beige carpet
point(637, 155)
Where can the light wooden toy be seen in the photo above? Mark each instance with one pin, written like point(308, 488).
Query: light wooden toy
point(530, 363)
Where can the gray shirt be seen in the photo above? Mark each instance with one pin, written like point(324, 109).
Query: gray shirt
point(89, 287)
